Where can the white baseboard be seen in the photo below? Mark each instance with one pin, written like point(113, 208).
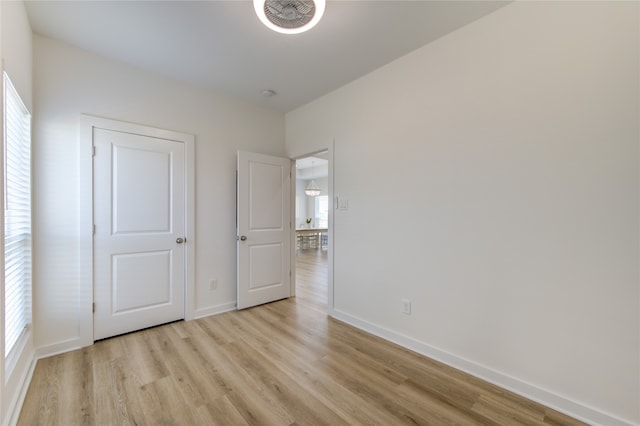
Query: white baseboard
point(564, 405)
point(79, 343)
point(214, 310)
point(60, 347)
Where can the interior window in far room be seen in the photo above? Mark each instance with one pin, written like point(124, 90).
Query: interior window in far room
point(322, 211)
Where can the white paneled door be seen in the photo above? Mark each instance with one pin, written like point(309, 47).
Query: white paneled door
point(264, 229)
point(139, 237)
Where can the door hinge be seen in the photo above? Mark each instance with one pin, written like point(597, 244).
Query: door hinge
point(93, 151)
point(94, 229)
point(93, 307)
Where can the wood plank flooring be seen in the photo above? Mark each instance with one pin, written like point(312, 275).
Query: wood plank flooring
point(284, 363)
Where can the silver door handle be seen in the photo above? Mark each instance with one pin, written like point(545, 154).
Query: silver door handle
point(243, 238)
point(180, 240)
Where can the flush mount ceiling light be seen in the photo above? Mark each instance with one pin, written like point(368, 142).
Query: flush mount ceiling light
point(289, 16)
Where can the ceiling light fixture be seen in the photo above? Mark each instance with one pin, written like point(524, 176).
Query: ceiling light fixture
point(289, 16)
point(312, 189)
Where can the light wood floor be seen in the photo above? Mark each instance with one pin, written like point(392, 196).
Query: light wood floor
point(284, 363)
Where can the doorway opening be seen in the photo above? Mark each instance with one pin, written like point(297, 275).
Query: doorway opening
point(312, 211)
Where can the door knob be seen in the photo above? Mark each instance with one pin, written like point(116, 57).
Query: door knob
point(243, 238)
point(180, 240)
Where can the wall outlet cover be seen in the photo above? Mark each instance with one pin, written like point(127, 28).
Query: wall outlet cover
point(406, 306)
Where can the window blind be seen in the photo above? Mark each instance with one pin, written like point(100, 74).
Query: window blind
point(17, 216)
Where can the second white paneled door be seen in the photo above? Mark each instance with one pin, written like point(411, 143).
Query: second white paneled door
point(139, 237)
point(264, 229)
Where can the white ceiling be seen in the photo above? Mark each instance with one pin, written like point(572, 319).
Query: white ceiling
point(312, 168)
point(306, 162)
point(222, 46)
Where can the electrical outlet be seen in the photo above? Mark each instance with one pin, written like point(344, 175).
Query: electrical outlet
point(406, 306)
point(213, 284)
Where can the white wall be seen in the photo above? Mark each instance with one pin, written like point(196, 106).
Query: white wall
point(17, 49)
point(301, 203)
point(70, 81)
point(16, 53)
point(499, 168)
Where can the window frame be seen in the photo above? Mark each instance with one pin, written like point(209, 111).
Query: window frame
point(17, 169)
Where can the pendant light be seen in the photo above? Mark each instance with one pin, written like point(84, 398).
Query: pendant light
point(289, 16)
point(312, 190)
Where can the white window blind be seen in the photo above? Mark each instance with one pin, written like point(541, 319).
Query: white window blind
point(17, 216)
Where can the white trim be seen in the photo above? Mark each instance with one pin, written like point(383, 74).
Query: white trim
point(549, 399)
point(17, 240)
point(15, 355)
point(329, 149)
point(61, 347)
point(17, 368)
point(215, 310)
point(330, 233)
point(190, 217)
point(15, 406)
point(85, 240)
point(88, 123)
point(292, 228)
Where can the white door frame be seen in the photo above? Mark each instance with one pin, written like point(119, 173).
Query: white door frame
point(85, 225)
point(329, 149)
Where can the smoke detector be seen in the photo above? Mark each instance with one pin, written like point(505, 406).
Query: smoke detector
point(289, 16)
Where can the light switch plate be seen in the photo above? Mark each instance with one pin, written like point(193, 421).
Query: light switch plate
point(343, 203)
